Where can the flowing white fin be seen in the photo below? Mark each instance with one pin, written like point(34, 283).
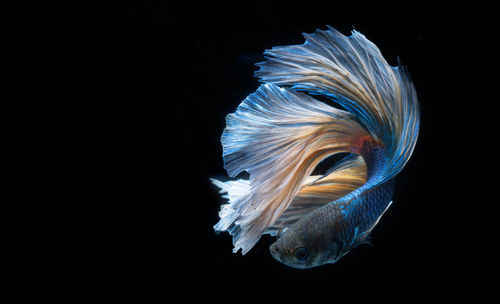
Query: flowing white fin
point(353, 72)
point(347, 175)
point(278, 136)
point(233, 191)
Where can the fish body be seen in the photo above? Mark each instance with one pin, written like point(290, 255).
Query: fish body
point(280, 133)
point(331, 231)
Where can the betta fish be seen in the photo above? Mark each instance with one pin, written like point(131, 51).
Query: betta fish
point(281, 132)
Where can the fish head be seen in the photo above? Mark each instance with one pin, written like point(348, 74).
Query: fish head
point(299, 248)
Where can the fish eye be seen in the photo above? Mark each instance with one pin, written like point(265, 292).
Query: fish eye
point(301, 254)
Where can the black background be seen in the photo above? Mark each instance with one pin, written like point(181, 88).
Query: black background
point(116, 129)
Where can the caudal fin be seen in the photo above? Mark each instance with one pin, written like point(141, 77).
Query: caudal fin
point(278, 136)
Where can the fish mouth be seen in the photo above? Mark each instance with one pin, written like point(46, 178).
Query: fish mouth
point(275, 252)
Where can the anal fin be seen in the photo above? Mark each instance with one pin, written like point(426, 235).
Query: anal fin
point(347, 175)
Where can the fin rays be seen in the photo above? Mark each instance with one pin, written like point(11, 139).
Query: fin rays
point(353, 72)
point(347, 175)
point(278, 136)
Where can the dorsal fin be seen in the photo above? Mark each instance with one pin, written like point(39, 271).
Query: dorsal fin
point(353, 72)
